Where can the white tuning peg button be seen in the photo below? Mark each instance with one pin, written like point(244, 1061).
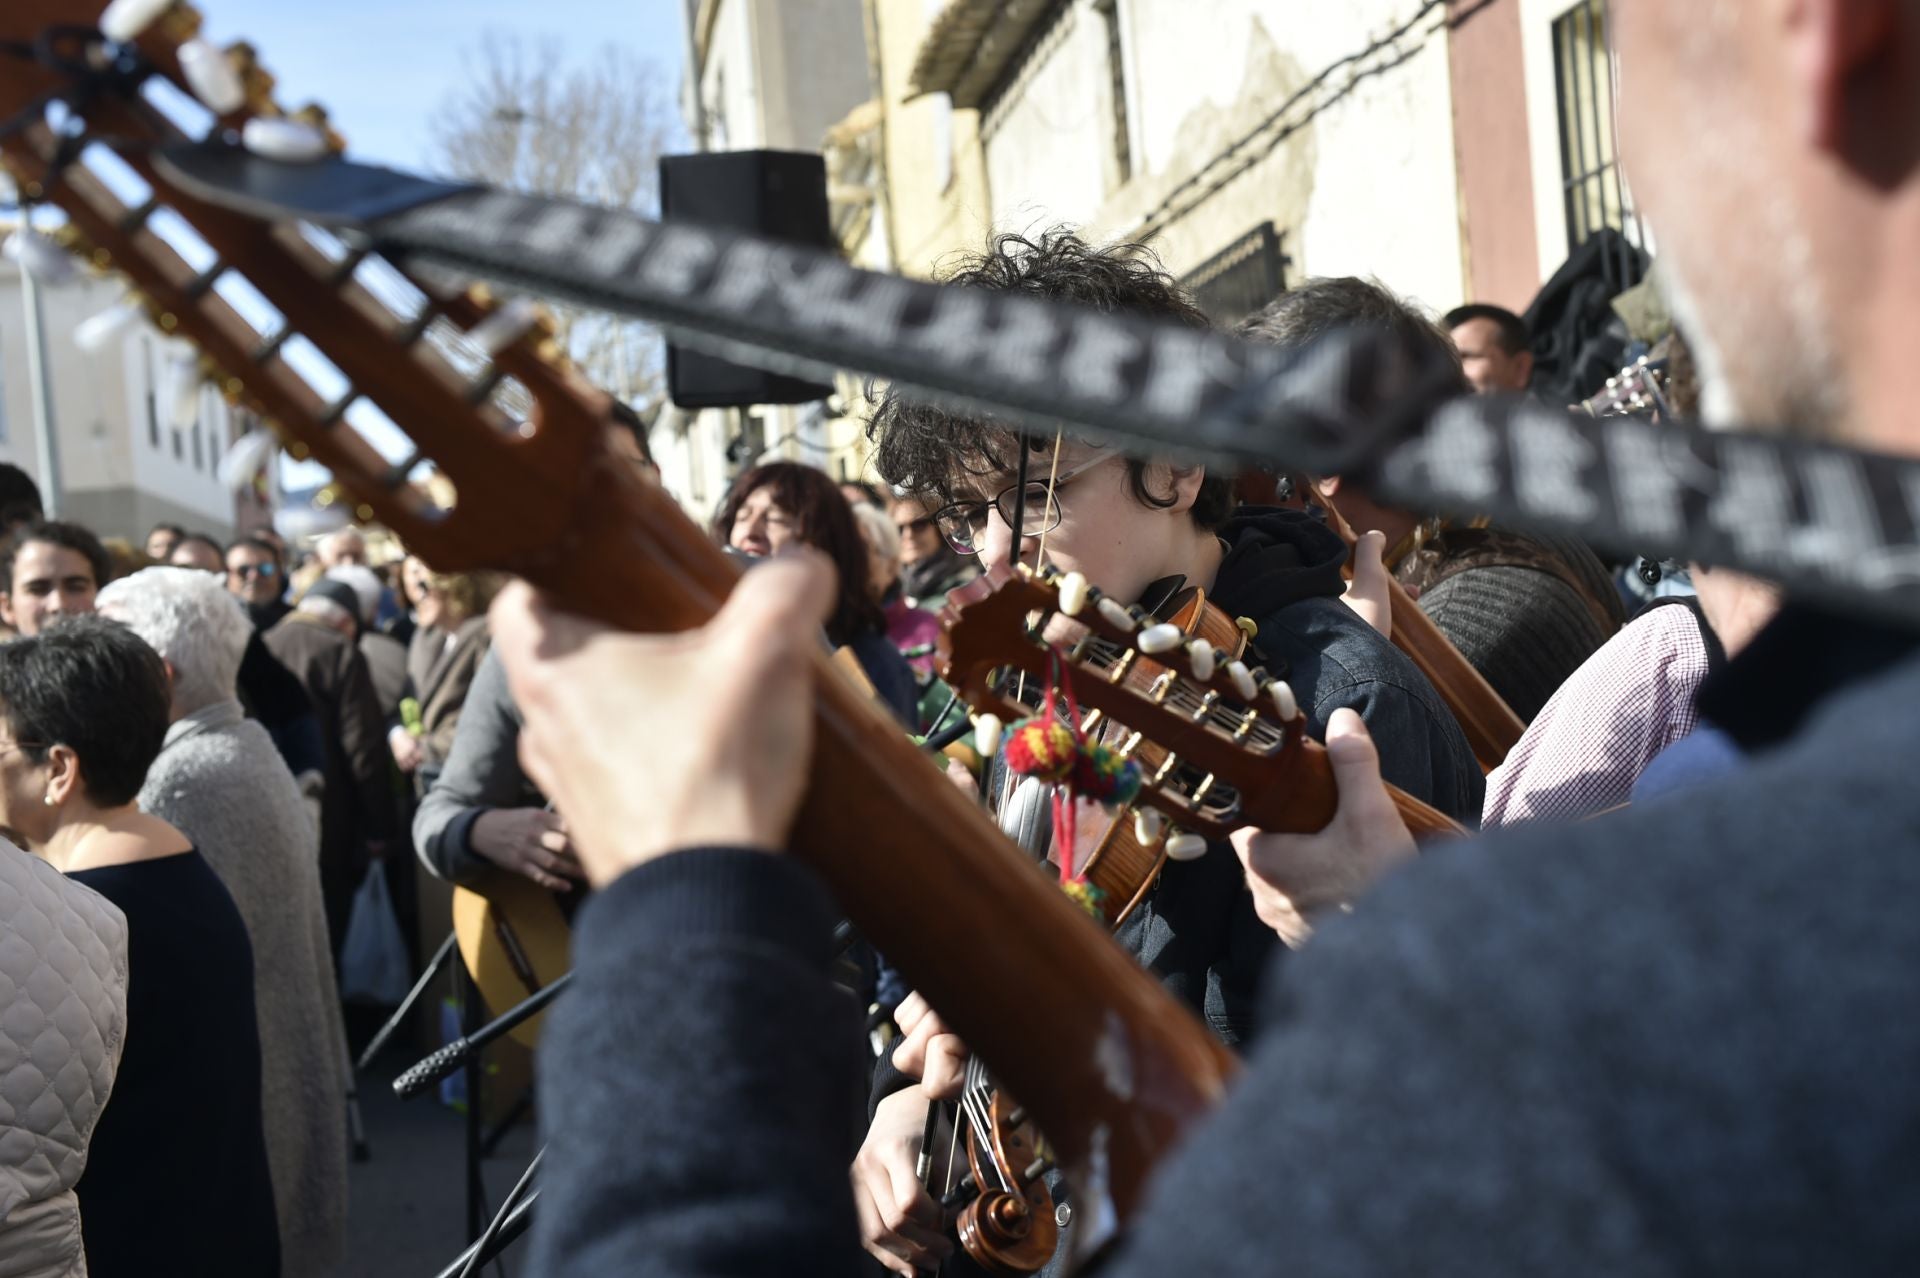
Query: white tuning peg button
point(1242, 680)
point(1117, 614)
point(1200, 653)
point(1164, 637)
point(987, 731)
point(211, 77)
point(1073, 593)
point(1186, 846)
point(504, 327)
point(124, 20)
point(1284, 703)
point(286, 140)
point(94, 333)
point(1149, 827)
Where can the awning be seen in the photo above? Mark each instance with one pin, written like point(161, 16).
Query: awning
point(971, 44)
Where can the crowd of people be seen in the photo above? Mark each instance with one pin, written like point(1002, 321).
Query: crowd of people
point(1670, 1039)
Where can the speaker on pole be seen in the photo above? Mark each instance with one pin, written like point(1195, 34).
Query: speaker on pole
point(778, 194)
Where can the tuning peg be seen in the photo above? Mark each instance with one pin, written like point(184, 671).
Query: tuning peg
point(1149, 827)
point(288, 141)
point(1242, 680)
point(124, 20)
point(1073, 593)
point(1164, 637)
point(94, 333)
point(256, 81)
point(987, 731)
point(212, 77)
point(1200, 655)
point(1285, 704)
point(1186, 846)
point(1112, 610)
point(315, 117)
point(503, 327)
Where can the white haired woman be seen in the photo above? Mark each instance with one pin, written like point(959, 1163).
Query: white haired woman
point(219, 780)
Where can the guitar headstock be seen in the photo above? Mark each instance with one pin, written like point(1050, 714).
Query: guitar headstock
point(1216, 739)
point(320, 339)
point(1638, 389)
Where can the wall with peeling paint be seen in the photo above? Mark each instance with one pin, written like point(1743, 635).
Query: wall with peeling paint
point(1331, 118)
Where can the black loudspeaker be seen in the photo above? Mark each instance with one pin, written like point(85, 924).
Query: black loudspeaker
point(779, 194)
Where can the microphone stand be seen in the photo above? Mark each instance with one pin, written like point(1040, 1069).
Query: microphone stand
point(399, 1017)
point(449, 1058)
point(512, 1220)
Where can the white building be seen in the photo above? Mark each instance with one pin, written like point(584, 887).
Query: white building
point(139, 438)
point(1455, 151)
point(762, 75)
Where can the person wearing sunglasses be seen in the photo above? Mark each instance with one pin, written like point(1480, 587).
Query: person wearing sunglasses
point(930, 568)
point(254, 576)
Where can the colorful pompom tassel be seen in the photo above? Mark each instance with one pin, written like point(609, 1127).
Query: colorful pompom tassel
point(1045, 748)
point(1106, 775)
point(1085, 895)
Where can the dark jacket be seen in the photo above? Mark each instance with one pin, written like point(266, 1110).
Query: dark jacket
point(358, 805)
point(1196, 929)
point(387, 668)
point(926, 582)
point(440, 674)
point(272, 694)
point(1674, 1041)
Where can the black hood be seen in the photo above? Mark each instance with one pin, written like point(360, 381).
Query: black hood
point(1276, 557)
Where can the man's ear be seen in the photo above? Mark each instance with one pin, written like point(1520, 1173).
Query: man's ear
point(1833, 43)
point(1524, 362)
point(6, 609)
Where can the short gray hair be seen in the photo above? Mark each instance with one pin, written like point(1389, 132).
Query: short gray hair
point(189, 618)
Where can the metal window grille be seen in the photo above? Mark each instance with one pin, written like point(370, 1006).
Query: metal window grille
point(1242, 277)
point(1595, 196)
point(1109, 11)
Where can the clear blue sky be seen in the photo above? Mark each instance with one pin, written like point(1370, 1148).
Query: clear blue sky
point(381, 67)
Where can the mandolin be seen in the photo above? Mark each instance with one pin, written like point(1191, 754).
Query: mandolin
point(318, 338)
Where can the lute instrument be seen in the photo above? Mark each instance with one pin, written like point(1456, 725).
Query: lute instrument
point(1059, 1011)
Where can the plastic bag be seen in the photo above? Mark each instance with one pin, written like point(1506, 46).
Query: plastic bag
point(373, 958)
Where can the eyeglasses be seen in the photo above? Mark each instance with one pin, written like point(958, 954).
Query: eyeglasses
point(7, 747)
point(243, 571)
point(964, 523)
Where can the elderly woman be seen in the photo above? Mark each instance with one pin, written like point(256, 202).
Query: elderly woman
point(177, 1176)
point(218, 779)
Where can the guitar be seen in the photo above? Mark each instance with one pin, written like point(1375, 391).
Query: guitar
point(1055, 1007)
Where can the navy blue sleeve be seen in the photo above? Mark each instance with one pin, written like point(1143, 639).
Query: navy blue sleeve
point(700, 1084)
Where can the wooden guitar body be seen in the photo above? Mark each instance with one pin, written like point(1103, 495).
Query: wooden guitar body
point(515, 941)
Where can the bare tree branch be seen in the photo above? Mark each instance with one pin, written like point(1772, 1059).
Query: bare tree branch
point(526, 120)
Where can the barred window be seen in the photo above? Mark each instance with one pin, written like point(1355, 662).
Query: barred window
point(1589, 150)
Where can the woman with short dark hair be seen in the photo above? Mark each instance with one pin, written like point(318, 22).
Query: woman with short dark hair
point(177, 1176)
point(782, 504)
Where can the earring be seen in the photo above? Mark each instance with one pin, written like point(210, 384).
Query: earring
point(47, 798)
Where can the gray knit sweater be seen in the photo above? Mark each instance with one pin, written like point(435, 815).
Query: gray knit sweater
point(219, 779)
